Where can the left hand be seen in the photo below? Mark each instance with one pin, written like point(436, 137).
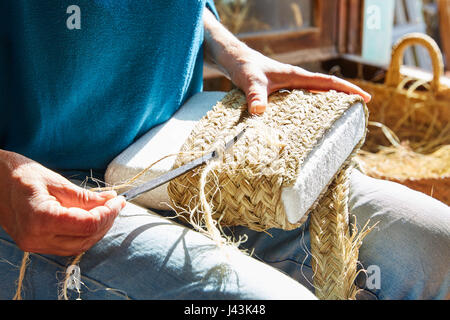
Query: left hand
point(257, 75)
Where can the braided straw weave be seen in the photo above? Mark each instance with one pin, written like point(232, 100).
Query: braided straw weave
point(245, 186)
point(335, 251)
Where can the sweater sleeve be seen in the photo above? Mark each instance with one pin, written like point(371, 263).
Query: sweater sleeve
point(211, 6)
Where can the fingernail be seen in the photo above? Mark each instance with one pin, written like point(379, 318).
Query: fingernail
point(257, 109)
point(117, 201)
point(123, 201)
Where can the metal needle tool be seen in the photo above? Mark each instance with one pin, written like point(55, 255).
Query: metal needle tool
point(154, 183)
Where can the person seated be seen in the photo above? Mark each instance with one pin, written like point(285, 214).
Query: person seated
point(82, 83)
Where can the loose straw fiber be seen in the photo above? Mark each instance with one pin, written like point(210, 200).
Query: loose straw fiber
point(245, 185)
point(409, 133)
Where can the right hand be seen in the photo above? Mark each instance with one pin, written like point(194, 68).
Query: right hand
point(45, 213)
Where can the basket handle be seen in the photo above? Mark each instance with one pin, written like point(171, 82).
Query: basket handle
point(393, 74)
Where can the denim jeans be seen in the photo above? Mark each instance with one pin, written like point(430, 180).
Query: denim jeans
point(147, 256)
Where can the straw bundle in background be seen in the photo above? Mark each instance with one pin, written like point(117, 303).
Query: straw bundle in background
point(409, 129)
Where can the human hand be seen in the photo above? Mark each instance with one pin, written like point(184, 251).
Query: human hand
point(258, 76)
point(45, 213)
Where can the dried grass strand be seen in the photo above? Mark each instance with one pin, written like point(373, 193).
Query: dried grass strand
point(23, 268)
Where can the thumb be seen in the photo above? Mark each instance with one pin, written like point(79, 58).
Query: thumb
point(256, 98)
point(71, 195)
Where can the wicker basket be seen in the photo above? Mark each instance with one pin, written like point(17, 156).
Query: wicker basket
point(241, 195)
point(409, 129)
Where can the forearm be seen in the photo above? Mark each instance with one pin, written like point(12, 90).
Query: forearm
point(258, 75)
point(222, 48)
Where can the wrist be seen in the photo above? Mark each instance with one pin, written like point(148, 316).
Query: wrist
point(9, 161)
point(6, 163)
point(6, 169)
point(232, 57)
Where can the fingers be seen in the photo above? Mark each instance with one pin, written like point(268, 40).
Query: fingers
point(258, 90)
point(51, 215)
point(71, 195)
point(75, 221)
point(323, 82)
point(77, 218)
point(69, 231)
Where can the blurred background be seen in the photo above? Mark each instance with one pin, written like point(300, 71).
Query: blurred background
point(348, 38)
